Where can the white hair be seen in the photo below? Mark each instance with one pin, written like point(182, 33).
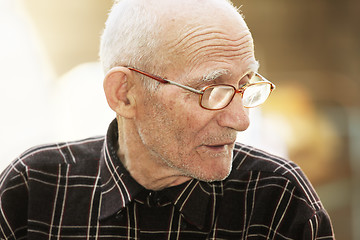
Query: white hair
point(129, 38)
point(132, 37)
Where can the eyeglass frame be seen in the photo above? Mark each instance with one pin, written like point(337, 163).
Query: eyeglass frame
point(241, 90)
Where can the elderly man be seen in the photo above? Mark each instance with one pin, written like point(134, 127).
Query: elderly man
point(181, 76)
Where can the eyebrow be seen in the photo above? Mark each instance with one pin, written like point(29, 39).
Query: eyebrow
point(254, 67)
point(214, 75)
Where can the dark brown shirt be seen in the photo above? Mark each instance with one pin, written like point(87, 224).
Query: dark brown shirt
point(80, 190)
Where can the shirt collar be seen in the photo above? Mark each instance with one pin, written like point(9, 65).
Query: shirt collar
point(196, 200)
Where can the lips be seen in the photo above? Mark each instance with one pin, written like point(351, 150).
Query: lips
point(216, 147)
point(219, 146)
point(223, 141)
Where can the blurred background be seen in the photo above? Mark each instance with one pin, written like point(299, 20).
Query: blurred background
point(51, 86)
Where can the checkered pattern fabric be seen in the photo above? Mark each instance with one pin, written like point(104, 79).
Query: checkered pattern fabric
point(80, 190)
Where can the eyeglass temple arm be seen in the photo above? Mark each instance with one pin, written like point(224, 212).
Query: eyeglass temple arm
point(159, 79)
point(166, 81)
point(265, 80)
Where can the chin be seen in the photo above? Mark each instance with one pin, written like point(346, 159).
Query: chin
point(212, 176)
point(212, 167)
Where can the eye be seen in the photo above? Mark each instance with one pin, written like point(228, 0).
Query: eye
point(246, 79)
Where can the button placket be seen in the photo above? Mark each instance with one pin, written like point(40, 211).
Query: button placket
point(153, 199)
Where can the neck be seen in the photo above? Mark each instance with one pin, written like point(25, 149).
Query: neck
point(148, 169)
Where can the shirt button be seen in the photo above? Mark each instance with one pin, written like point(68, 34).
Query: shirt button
point(154, 199)
point(158, 201)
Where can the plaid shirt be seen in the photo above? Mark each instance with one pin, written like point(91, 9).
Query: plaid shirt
point(80, 190)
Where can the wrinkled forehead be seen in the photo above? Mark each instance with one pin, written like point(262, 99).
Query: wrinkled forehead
point(181, 20)
point(215, 33)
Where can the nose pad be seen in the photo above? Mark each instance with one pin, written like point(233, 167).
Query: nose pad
point(235, 115)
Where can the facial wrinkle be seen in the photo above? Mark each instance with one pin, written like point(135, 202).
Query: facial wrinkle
point(217, 37)
point(198, 36)
point(218, 55)
point(180, 42)
point(215, 46)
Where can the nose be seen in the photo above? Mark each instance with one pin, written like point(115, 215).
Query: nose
point(234, 116)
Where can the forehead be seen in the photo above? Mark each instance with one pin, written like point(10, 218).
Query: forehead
point(212, 46)
point(217, 57)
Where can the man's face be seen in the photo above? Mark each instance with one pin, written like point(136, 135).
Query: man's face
point(174, 129)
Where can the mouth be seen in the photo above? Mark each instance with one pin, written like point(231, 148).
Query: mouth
point(219, 147)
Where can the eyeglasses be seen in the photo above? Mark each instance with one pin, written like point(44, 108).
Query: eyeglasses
point(219, 96)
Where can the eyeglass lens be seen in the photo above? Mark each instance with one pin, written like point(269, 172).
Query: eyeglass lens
point(255, 95)
point(217, 97)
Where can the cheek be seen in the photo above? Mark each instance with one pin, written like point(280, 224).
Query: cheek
point(175, 120)
point(187, 119)
point(161, 124)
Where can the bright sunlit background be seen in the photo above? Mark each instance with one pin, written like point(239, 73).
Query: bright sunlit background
point(51, 86)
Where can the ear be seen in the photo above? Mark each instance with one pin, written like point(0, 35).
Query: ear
point(117, 86)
